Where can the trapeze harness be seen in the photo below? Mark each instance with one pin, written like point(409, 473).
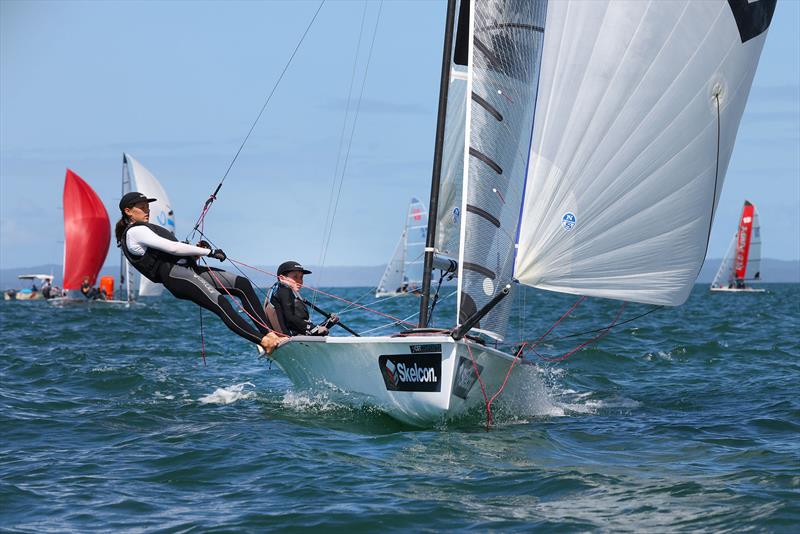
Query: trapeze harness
point(167, 261)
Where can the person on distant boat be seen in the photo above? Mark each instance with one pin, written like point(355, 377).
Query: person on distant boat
point(88, 291)
point(157, 254)
point(289, 306)
point(46, 288)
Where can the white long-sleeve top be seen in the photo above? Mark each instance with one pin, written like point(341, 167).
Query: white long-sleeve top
point(140, 238)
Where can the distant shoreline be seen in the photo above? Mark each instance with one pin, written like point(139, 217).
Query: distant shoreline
point(773, 272)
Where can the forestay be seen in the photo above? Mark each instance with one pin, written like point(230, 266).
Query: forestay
point(638, 108)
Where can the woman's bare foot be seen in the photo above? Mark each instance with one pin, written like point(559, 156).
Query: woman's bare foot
point(271, 341)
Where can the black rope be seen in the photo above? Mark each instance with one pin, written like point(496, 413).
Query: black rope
point(435, 298)
point(609, 327)
point(716, 180)
point(255, 122)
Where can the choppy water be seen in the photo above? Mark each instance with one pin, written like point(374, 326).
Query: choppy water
point(686, 419)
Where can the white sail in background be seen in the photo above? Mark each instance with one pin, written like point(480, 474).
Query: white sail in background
point(724, 276)
point(161, 212)
point(392, 279)
point(403, 274)
point(638, 107)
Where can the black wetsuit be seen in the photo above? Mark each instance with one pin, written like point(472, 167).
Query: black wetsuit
point(292, 312)
point(205, 286)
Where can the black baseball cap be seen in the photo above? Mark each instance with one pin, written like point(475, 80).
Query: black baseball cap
point(132, 198)
point(289, 266)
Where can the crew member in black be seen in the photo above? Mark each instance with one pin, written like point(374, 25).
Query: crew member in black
point(90, 292)
point(158, 255)
point(289, 306)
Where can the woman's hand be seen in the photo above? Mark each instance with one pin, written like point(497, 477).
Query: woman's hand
point(291, 284)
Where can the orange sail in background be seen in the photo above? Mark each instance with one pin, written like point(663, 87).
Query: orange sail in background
point(87, 232)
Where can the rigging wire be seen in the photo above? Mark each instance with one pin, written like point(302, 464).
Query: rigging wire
point(648, 312)
point(329, 229)
point(343, 132)
point(213, 196)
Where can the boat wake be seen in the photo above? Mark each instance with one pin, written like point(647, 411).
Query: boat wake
point(229, 395)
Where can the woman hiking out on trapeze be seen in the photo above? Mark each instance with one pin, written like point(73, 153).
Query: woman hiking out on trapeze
point(157, 254)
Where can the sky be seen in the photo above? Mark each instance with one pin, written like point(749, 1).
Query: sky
point(178, 84)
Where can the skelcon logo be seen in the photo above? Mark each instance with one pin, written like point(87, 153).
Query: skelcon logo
point(412, 372)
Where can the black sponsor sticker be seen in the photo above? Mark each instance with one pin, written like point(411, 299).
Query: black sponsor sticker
point(432, 347)
point(465, 377)
point(411, 372)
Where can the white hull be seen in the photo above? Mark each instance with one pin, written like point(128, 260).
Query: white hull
point(739, 290)
point(62, 302)
point(359, 366)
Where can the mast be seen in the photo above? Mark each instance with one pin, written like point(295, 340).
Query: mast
point(124, 274)
point(430, 239)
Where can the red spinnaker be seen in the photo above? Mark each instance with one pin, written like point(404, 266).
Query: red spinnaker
point(87, 232)
point(743, 240)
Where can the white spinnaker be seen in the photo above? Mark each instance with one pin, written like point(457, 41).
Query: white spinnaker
point(753, 269)
point(160, 212)
point(392, 279)
point(624, 172)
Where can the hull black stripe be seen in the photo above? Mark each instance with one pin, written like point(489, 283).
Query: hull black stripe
point(483, 213)
point(486, 159)
point(480, 269)
point(487, 106)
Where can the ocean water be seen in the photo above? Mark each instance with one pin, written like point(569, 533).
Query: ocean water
point(686, 419)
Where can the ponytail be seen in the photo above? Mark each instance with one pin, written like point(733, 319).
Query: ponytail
point(119, 229)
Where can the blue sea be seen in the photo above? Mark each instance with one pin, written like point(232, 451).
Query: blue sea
point(686, 419)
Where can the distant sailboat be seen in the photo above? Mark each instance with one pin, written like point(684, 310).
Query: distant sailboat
point(135, 177)
point(742, 261)
point(87, 235)
point(403, 274)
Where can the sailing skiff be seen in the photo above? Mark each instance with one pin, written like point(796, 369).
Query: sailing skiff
point(581, 147)
point(742, 262)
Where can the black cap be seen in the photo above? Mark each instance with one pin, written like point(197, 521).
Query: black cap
point(289, 266)
point(132, 198)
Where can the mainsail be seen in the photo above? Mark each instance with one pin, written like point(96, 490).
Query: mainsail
point(742, 261)
point(87, 232)
point(748, 245)
point(639, 104)
point(161, 213)
point(504, 54)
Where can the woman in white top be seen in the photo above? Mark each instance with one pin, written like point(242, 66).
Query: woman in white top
point(158, 255)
